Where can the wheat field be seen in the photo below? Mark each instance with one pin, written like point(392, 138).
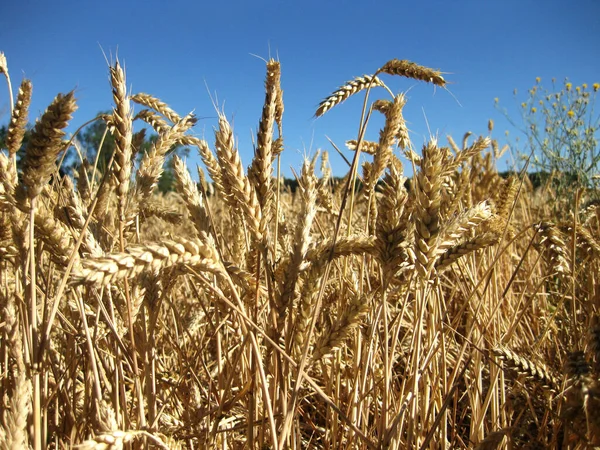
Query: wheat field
point(451, 310)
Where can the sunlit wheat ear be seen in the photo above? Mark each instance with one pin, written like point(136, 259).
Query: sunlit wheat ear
point(453, 254)
point(189, 191)
point(465, 142)
point(199, 254)
point(586, 242)
point(347, 90)
point(3, 64)
point(392, 226)
point(413, 70)
point(335, 335)
point(55, 235)
point(381, 105)
point(428, 199)
point(506, 197)
point(387, 137)
point(122, 131)
point(368, 147)
point(15, 418)
point(459, 227)
point(8, 182)
point(262, 165)
point(153, 119)
point(45, 144)
point(116, 440)
point(274, 68)
point(151, 166)
point(467, 153)
point(74, 216)
point(212, 166)
point(240, 194)
point(153, 103)
point(302, 240)
point(556, 252)
point(498, 152)
point(18, 120)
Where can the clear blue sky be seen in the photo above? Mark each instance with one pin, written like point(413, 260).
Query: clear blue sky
point(175, 49)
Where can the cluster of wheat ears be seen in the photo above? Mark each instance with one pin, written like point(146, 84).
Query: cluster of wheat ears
point(449, 311)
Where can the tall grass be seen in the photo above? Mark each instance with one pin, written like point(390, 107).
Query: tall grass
point(448, 312)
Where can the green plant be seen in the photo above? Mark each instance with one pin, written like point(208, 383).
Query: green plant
point(560, 128)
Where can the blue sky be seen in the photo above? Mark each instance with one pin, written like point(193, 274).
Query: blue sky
point(174, 50)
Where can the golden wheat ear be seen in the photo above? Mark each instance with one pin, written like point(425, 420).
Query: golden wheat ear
point(413, 70)
point(18, 120)
point(346, 91)
point(45, 144)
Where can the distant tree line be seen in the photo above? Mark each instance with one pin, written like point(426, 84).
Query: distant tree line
point(96, 136)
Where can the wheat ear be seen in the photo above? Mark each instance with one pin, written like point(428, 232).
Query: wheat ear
point(263, 159)
point(413, 70)
point(196, 253)
point(18, 120)
point(346, 91)
point(192, 197)
point(302, 240)
point(242, 196)
point(387, 136)
point(341, 329)
point(45, 144)
point(453, 254)
point(428, 197)
point(151, 166)
point(122, 131)
point(535, 372)
point(151, 102)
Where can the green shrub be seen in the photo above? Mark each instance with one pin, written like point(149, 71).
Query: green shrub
point(560, 129)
